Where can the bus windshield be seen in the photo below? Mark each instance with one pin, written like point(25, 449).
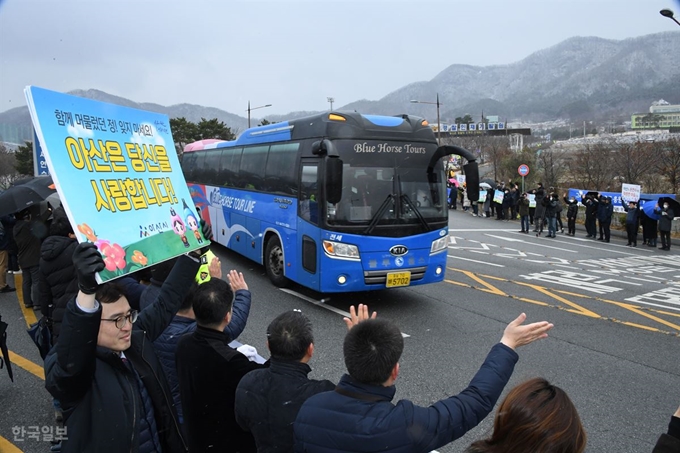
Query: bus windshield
point(398, 192)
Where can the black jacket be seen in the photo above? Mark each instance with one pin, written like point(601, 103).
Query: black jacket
point(669, 443)
point(267, 402)
point(572, 209)
point(209, 372)
point(97, 391)
point(28, 236)
point(58, 279)
point(665, 218)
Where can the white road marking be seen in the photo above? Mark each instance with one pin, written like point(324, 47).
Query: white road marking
point(532, 243)
point(475, 261)
point(474, 230)
point(321, 303)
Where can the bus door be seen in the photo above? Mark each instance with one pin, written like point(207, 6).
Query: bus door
point(308, 232)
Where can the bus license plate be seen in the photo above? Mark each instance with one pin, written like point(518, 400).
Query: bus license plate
point(398, 279)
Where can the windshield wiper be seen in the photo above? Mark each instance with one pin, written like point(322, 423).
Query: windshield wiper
point(420, 217)
point(378, 215)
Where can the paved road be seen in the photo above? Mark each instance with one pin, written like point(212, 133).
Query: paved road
point(614, 347)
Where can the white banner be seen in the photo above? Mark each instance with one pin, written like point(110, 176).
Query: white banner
point(630, 192)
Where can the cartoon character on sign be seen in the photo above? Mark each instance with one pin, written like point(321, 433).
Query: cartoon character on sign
point(178, 227)
point(192, 222)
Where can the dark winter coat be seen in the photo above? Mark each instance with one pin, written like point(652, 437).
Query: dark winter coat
point(669, 443)
point(97, 392)
point(267, 402)
point(605, 212)
point(166, 344)
point(28, 236)
point(209, 372)
point(58, 279)
point(523, 204)
point(540, 206)
point(7, 236)
point(550, 205)
point(572, 208)
point(362, 418)
point(591, 208)
point(632, 214)
point(665, 218)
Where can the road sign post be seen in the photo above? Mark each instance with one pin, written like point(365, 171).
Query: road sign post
point(523, 170)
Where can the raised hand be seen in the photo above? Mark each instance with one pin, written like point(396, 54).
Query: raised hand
point(516, 334)
point(236, 280)
point(87, 261)
point(356, 316)
point(215, 268)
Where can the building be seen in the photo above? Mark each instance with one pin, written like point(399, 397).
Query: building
point(662, 115)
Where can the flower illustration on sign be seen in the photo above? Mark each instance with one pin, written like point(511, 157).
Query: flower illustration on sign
point(85, 229)
point(139, 258)
point(114, 255)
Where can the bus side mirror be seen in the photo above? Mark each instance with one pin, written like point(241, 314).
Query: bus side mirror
point(471, 171)
point(324, 147)
point(333, 179)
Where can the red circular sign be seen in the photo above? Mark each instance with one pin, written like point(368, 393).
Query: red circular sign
point(523, 170)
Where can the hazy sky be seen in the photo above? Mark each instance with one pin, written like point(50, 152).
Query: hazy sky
point(292, 54)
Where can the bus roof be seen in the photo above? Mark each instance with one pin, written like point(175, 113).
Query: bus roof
point(347, 125)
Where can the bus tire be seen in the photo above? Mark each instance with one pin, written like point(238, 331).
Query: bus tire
point(273, 262)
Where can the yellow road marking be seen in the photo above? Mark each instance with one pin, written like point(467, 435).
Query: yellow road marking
point(576, 307)
point(27, 365)
point(489, 288)
point(29, 315)
point(458, 283)
point(8, 447)
point(635, 309)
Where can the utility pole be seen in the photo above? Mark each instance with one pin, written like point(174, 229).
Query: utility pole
point(331, 100)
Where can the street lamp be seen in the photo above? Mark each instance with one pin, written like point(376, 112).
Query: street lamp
point(255, 108)
point(668, 13)
point(331, 101)
point(439, 126)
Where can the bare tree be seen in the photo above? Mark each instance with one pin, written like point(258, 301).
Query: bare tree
point(632, 161)
point(551, 163)
point(669, 161)
point(7, 171)
point(591, 167)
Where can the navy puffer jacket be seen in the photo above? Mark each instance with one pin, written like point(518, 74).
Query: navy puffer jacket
point(362, 418)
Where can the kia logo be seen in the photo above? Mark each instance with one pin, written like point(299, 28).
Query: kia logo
point(398, 250)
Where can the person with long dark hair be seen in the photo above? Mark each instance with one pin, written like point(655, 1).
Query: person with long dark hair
point(535, 417)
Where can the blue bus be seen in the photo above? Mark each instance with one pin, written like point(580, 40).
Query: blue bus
point(335, 202)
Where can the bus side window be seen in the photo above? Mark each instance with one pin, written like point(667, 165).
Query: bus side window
point(229, 163)
point(279, 174)
point(199, 167)
point(251, 171)
point(189, 165)
point(309, 206)
point(212, 167)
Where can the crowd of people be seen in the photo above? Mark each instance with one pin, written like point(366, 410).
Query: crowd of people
point(546, 210)
point(154, 367)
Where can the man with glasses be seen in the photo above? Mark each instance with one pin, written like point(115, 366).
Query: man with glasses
point(104, 370)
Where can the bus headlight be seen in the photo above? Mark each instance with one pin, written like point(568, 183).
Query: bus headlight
point(341, 250)
point(440, 244)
